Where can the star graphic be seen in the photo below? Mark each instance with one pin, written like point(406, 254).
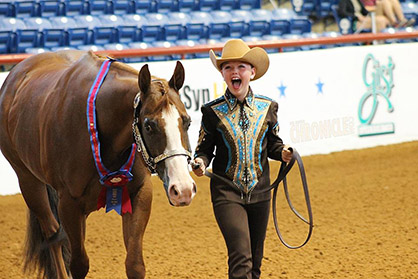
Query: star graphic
point(282, 88)
point(320, 85)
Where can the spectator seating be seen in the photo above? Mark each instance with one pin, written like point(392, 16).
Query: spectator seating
point(260, 22)
point(51, 8)
point(305, 7)
point(198, 26)
point(6, 38)
point(89, 24)
point(248, 4)
point(219, 26)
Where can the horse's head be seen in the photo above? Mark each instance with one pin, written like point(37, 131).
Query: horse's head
point(162, 131)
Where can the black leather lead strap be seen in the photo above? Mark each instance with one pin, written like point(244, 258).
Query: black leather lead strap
point(284, 170)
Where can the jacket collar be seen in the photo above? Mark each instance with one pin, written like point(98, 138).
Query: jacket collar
point(232, 101)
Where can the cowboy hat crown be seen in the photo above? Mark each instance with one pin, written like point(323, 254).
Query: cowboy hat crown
point(238, 50)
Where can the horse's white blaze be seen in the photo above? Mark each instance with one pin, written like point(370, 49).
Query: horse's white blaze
point(177, 166)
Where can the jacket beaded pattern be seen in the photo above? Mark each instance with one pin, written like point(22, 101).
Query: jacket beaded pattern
point(243, 135)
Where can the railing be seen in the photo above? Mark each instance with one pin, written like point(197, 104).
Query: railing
point(367, 38)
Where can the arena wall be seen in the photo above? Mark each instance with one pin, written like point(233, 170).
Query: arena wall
point(329, 100)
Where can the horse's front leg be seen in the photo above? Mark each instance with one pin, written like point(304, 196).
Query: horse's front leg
point(74, 222)
point(133, 231)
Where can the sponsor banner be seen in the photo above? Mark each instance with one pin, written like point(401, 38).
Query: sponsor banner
point(329, 100)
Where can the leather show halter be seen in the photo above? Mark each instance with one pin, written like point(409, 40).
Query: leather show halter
point(284, 170)
point(150, 161)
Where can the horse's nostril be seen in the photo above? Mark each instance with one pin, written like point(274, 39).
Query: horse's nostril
point(194, 189)
point(173, 191)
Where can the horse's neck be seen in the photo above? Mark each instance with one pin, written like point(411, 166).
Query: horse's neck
point(114, 110)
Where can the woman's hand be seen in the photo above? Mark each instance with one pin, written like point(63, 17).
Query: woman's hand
point(198, 166)
point(287, 154)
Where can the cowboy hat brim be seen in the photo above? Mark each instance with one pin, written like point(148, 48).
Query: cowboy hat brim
point(256, 56)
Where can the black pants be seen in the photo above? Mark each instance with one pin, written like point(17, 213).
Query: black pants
point(244, 230)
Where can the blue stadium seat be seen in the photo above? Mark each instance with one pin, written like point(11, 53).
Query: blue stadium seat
point(116, 46)
point(63, 22)
point(291, 37)
point(250, 39)
point(122, 7)
point(11, 23)
point(134, 20)
point(99, 7)
point(283, 13)
point(25, 9)
point(78, 36)
point(271, 38)
point(37, 23)
point(300, 25)
point(228, 5)
point(219, 27)
point(153, 30)
point(198, 26)
point(25, 38)
point(188, 43)
point(188, 6)
point(49, 8)
point(166, 6)
point(208, 5)
point(131, 28)
point(90, 47)
point(87, 21)
point(62, 48)
point(75, 35)
point(330, 34)
point(240, 21)
point(139, 59)
point(175, 28)
point(163, 44)
point(36, 50)
point(111, 20)
point(311, 35)
point(142, 7)
point(7, 9)
point(260, 22)
point(6, 40)
point(249, 4)
point(126, 34)
point(76, 7)
point(53, 37)
point(324, 7)
point(104, 35)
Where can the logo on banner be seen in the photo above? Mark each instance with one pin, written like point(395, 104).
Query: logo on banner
point(378, 80)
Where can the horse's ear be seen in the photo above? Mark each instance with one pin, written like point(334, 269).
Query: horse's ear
point(144, 79)
point(177, 80)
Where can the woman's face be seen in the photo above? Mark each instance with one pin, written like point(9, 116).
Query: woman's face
point(237, 76)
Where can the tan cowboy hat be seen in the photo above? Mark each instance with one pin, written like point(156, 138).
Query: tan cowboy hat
point(237, 50)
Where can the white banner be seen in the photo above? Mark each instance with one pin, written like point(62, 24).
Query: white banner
point(329, 100)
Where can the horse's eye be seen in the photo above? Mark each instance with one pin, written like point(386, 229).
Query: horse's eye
point(148, 125)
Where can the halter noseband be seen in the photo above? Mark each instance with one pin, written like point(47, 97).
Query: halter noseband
point(150, 161)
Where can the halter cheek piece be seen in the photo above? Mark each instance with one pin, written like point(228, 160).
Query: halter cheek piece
point(150, 161)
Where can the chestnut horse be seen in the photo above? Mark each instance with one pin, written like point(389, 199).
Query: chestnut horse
point(61, 139)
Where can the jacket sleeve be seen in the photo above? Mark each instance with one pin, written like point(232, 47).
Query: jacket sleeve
point(206, 142)
point(274, 142)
